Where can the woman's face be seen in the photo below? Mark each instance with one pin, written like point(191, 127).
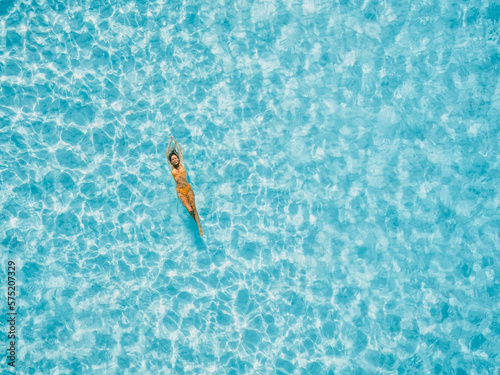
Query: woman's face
point(174, 160)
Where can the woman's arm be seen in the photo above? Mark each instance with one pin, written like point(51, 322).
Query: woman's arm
point(168, 153)
point(169, 144)
point(180, 153)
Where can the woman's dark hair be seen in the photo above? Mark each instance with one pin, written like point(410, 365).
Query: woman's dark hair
point(172, 154)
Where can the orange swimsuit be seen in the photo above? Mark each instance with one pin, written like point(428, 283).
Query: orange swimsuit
point(185, 190)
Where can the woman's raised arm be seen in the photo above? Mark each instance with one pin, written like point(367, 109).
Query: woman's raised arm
point(180, 153)
point(168, 153)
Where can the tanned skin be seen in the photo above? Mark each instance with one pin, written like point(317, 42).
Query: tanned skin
point(179, 174)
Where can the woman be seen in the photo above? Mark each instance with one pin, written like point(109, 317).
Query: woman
point(184, 191)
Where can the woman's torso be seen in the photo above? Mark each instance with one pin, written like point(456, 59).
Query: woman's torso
point(180, 177)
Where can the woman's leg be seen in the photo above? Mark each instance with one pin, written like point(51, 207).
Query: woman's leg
point(190, 196)
point(185, 202)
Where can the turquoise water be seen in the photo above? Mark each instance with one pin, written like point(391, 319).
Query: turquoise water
point(345, 162)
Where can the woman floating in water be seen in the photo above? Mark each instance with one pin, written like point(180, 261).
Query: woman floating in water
point(184, 191)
